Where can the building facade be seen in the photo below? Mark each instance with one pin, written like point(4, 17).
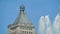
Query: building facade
point(22, 24)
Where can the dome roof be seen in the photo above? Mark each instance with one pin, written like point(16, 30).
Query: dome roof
point(22, 17)
point(22, 7)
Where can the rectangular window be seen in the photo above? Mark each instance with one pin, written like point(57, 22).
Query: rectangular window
point(31, 32)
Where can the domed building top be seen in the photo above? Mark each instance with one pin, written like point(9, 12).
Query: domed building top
point(22, 24)
point(22, 8)
point(22, 17)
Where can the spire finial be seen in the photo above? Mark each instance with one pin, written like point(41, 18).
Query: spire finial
point(22, 8)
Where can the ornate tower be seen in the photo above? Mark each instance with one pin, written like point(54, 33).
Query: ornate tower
point(22, 24)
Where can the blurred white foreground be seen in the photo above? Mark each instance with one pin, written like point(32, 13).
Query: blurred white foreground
point(46, 27)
